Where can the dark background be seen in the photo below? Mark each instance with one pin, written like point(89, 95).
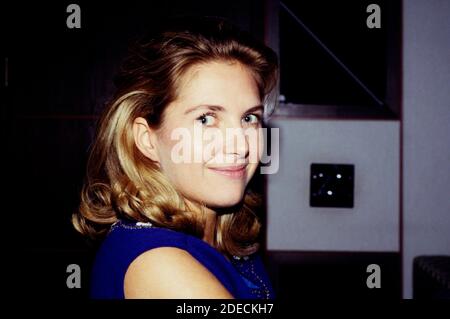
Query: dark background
point(59, 80)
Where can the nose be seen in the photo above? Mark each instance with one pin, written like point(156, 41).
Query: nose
point(236, 143)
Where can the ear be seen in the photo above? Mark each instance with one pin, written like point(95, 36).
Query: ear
point(145, 139)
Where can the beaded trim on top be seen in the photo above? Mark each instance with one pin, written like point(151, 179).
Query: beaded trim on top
point(251, 277)
point(136, 225)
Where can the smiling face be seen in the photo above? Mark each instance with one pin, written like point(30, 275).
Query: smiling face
point(215, 97)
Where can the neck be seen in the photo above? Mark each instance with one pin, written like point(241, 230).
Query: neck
point(210, 224)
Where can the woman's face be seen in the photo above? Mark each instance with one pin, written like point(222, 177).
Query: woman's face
point(218, 113)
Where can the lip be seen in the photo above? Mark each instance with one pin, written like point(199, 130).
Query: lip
point(233, 171)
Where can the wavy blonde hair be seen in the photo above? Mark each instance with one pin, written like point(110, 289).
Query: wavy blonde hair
point(120, 181)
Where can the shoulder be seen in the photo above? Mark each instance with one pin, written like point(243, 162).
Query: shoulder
point(139, 260)
point(171, 272)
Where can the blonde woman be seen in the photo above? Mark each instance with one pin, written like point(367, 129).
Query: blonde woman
point(172, 228)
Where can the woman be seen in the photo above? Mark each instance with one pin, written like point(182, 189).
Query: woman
point(181, 229)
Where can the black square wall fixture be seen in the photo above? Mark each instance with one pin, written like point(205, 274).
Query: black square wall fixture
point(331, 185)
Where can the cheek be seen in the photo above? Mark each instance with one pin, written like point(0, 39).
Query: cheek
point(252, 169)
point(259, 144)
point(198, 146)
point(187, 178)
point(180, 158)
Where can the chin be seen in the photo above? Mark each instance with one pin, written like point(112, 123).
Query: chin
point(228, 201)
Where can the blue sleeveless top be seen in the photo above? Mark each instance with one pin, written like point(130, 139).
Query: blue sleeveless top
point(244, 277)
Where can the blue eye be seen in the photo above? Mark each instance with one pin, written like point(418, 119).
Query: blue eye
point(252, 119)
point(206, 119)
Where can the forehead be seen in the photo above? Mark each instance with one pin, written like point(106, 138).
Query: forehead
point(222, 83)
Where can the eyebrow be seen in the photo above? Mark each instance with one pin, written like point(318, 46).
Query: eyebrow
point(219, 108)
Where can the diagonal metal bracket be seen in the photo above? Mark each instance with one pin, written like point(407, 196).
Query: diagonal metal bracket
point(333, 56)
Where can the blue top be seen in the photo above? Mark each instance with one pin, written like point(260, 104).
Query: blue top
point(245, 278)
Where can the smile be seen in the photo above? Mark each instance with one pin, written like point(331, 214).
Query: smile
point(231, 171)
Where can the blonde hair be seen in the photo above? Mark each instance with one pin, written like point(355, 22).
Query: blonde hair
point(120, 181)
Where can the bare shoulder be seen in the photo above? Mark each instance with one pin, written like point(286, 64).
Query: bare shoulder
point(171, 273)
